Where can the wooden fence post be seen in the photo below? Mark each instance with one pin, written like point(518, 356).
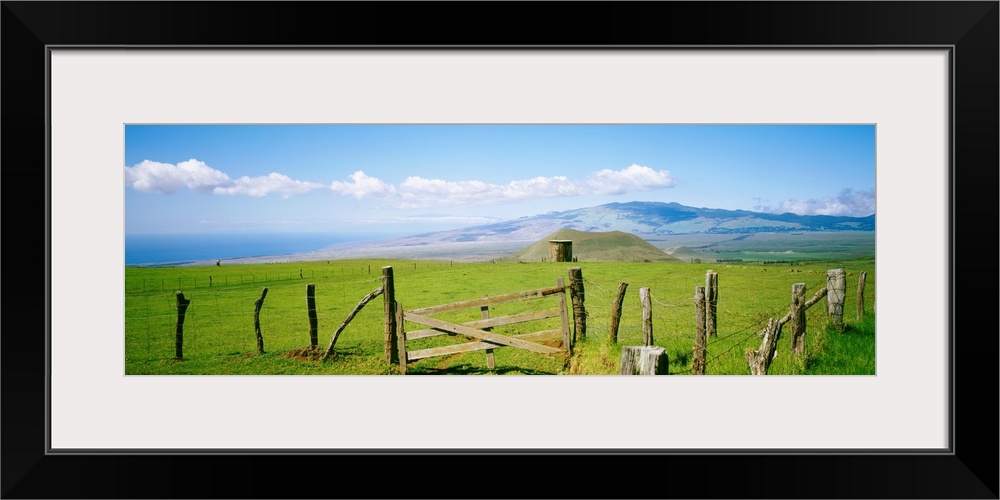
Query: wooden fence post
point(616, 312)
point(644, 360)
point(182, 305)
point(760, 360)
point(836, 288)
point(401, 335)
point(579, 309)
point(354, 312)
point(711, 302)
point(257, 304)
point(798, 319)
point(647, 317)
point(564, 317)
point(313, 320)
point(485, 314)
point(860, 306)
point(819, 295)
point(391, 338)
point(698, 363)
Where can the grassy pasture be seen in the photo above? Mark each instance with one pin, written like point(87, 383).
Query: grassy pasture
point(219, 336)
point(804, 246)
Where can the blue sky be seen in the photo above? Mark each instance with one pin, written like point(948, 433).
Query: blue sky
point(404, 179)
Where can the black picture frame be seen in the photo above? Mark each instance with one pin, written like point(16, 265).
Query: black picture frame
point(969, 28)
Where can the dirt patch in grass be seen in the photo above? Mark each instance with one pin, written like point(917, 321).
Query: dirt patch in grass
point(305, 354)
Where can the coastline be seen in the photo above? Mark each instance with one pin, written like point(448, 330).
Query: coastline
point(471, 251)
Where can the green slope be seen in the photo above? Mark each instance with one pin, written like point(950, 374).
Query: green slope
point(612, 246)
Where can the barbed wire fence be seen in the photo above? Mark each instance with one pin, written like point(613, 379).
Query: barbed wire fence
point(227, 275)
point(219, 320)
point(674, 322)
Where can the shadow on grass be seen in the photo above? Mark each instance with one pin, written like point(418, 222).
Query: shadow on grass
point(467, 369)
point(345, 352)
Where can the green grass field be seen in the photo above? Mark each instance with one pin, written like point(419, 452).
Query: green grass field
point(219, 336)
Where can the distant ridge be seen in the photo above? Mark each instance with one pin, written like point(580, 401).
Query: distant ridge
point(647, 220)
point(711, 233)
point(611, 246)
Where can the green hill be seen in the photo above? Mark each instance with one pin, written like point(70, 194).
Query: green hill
point(612, 246)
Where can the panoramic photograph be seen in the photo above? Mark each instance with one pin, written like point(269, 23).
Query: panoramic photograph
point(480, 249)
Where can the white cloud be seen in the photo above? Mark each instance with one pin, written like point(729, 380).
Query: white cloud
point(279, 222)
point(363, 187)
point(431, 219)
point(848, 203)
point(539, 187)
point(271, 183)
point(633, 178)
point(165, 178)
point(418, 192)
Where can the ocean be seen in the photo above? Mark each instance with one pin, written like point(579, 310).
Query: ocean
point(176, 249)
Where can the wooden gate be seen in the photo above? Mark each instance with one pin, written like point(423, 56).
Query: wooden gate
point(479, 330)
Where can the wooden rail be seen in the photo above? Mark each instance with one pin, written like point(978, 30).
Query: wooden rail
point(480, 330)
point(489, 301)
point(488, 323)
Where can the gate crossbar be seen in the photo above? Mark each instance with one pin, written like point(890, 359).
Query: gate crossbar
point(486, 340)
point(488, 301)
point(480, 334)
point(488, 323)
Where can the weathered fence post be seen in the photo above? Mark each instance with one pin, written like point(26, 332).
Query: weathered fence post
point(354, 312)
point(564, 317)
point(647, 317)
point(711, 302)
point(860, 306)
point(257, 304)
point(182, 305)
point(391, 339)
point(616, 312)
point(485, 313)
point(798, 319)
point(760, 360)
point(815, 298)
point(698, 363)
point(644, 360)
point(579, 309)
point(836, 288)
point(313, 320)
point(401, 335)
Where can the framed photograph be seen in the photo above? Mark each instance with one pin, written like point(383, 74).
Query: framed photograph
point(910, 88)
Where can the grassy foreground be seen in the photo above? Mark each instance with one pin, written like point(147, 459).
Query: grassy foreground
point(219, 335)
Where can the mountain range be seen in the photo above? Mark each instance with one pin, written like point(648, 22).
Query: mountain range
point(646, 220)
